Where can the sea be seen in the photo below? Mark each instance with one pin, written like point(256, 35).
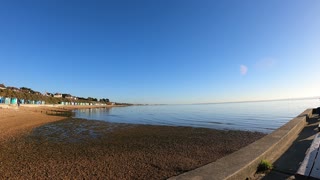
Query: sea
point(262, 116)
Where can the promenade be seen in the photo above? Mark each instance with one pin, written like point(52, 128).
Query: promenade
point(288, 164)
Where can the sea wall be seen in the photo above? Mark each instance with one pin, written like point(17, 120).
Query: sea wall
point(243, 163)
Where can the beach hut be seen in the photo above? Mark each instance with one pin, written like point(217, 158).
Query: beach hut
point(43, 102)
point(22, 101)
point(63, 103)
point(14, 101)
point(7, 100)
point(1, 99)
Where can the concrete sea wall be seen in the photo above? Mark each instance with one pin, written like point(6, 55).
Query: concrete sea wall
point(243, 163)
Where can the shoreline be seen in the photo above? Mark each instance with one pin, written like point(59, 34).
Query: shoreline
point(46, 146)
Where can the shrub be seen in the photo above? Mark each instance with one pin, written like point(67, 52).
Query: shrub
point(264, 166)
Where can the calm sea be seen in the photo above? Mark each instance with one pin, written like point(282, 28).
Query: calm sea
point(253, 116)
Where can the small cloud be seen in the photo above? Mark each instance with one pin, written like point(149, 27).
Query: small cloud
point(243, 70)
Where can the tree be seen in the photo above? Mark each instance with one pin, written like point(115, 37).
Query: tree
point(27, 90)
point(92, 99)
point(104, 100)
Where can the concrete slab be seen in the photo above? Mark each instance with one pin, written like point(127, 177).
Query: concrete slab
point(277, 175)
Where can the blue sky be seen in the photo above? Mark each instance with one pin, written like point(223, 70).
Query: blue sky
point(163, 51)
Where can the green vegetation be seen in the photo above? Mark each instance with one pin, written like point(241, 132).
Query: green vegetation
point(29, 94)
point(264, 166)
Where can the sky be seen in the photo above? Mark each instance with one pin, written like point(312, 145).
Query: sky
point(163, 51)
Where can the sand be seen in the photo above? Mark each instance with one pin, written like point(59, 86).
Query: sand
point(14, 122)
point(38, 146)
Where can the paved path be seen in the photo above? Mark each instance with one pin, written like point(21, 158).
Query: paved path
point(288, 164)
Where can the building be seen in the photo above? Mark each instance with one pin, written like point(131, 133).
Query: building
point(37, 93)
point(2, 86)
point(48, 94)
point(7, 100)
point(2, 99)
point(14, 101)
point(57, 95)
point(68, 96)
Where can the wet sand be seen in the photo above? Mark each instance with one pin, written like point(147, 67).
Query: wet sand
point(14, 121)
point(37, 146)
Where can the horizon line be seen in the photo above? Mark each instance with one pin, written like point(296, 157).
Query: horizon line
point(230, 102)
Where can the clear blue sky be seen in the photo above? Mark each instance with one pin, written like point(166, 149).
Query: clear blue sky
point(163, 51)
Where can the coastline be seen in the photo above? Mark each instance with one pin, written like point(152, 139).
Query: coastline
point(16, 121)
point(44, 146)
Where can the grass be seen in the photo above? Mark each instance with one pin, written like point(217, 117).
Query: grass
point(264, 166)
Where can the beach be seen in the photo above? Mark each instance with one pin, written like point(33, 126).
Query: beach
point(37, 145)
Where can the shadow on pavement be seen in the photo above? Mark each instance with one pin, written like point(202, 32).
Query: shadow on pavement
point(288, 164)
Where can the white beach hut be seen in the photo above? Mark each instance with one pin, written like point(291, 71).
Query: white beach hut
point(7, 100)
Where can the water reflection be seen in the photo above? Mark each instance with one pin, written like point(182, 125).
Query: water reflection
point(253, 116)
point(93, 112)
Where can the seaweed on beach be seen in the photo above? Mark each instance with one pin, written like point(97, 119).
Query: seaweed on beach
point(59, 113)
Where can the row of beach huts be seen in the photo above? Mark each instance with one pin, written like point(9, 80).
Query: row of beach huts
point(6, 100)
point(78, 104)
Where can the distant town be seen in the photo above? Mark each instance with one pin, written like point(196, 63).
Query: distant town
point(24, 95)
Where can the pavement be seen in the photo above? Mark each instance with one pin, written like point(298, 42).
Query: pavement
point(288, 164)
